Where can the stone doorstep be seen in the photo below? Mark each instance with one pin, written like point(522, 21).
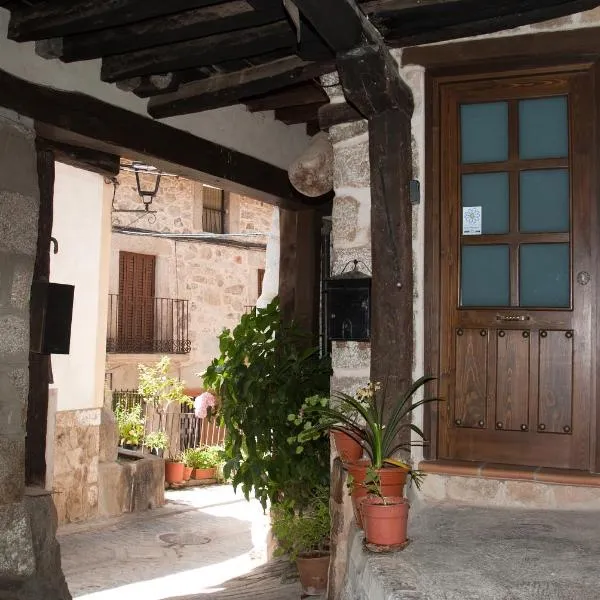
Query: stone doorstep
point(491, 484)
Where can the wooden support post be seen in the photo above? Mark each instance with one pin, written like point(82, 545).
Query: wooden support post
point(299, 268)
point(39, 365)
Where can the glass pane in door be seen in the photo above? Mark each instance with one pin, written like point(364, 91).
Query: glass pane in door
point(544, 277)
point(484, 132)
point(544, 201)
point(485, 279)
point(544, 128)
point(490, 191)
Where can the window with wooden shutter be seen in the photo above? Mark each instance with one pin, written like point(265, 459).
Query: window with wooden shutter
point(136, 301)
point(213, 209)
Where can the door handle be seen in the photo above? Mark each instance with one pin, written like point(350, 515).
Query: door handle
point(512, 318)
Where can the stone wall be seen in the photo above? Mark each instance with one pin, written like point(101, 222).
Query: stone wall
point(29, 555)
point(218, 277)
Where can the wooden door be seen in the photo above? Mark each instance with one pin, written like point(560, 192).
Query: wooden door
point(136, 302)
point(515, 263)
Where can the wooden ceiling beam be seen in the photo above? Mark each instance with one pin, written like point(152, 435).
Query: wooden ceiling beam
point(195, 53)
point(102, 163)
point(58, 18)
point(440, 21)
point(338, 22)
point(306, 93)
point(180, 27)
point(229, 88)
point(292, 115)
point(76, 119)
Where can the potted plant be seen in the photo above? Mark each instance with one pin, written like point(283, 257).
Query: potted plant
point(385, 518)
point(157, 442)
point(380, 436)
point(130, 423)
point(187, 458)
point(204, 461)
point(174, 469)
point(304, 537)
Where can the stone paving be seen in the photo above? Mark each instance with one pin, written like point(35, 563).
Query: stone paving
point(190, 549)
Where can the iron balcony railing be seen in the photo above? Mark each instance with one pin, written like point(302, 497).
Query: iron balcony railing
point(147, 325)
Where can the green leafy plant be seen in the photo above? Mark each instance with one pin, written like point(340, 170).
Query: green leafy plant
point(265, 370)
point(158, 388)
point(156, 440)
point(130, 422)
point(207, 457)
point(363, 417)
point(303, 533)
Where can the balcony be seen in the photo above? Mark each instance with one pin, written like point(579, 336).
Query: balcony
point(138, 325)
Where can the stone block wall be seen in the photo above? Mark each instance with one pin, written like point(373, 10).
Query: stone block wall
point(29, 556)
point(76, 454)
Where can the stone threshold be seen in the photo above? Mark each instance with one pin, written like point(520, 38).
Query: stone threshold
point(487, 470)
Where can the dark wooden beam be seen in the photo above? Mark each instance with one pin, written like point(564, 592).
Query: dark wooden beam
point(292, 115)
point(80, 120)
point(39, 364)
point(223, 90)
point(188, 25)
point(439, 22)
point(305, 93)
point(568, 45)
point(337, 21)
point(58, 18)
point(204, 51)
point(337, 113)
point(391, 253)
point(107, 165)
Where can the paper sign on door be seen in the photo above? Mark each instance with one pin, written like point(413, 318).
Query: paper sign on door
point(471, 220)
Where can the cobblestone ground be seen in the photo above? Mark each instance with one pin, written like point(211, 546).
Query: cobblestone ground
point(191, 548)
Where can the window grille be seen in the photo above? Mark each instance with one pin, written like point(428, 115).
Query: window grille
point(213, 210)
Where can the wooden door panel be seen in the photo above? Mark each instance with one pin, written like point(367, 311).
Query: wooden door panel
point(512, 380)
point(555, 391)
point(515, 372)
point(471, 378)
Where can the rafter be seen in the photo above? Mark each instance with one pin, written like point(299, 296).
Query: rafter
point(292, 115)
point(440, 21)
point(203, 51)
point(306, 93)
point(191, 24)
point(57, 18)
point(229, 88)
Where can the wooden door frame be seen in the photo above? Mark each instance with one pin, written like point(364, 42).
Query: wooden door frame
point(434, 81)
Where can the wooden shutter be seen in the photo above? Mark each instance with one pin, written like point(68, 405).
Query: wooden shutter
point(136, 301)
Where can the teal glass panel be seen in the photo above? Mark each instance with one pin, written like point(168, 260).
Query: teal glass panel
point(544, 201)
point(490, 191)
point(544, 279)
point(485, 277)
point(544, 128)
point(484, 132)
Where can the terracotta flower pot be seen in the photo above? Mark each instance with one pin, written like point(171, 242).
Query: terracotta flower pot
point(204, 473)
point(173, 472)
point(314, 572)
point(187, 473)
point(348, 448)
point(392, 479)
point(385, 524)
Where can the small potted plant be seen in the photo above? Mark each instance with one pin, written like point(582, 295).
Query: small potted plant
point(385, 518)
point(187, 456)
point(381, 436)
point(130, 423)
point(174, 469)
point(304, 538)
point(205, 461)
point(157, 442)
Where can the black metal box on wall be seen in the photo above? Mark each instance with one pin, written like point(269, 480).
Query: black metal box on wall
point(52, 310)
point(349, 306)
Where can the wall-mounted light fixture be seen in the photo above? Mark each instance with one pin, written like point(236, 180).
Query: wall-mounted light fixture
point(147, 194)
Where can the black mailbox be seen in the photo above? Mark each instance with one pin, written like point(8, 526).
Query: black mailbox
point(349, 306)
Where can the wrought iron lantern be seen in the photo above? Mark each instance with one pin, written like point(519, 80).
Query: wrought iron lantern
point(349, 305)
point(147, 195)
